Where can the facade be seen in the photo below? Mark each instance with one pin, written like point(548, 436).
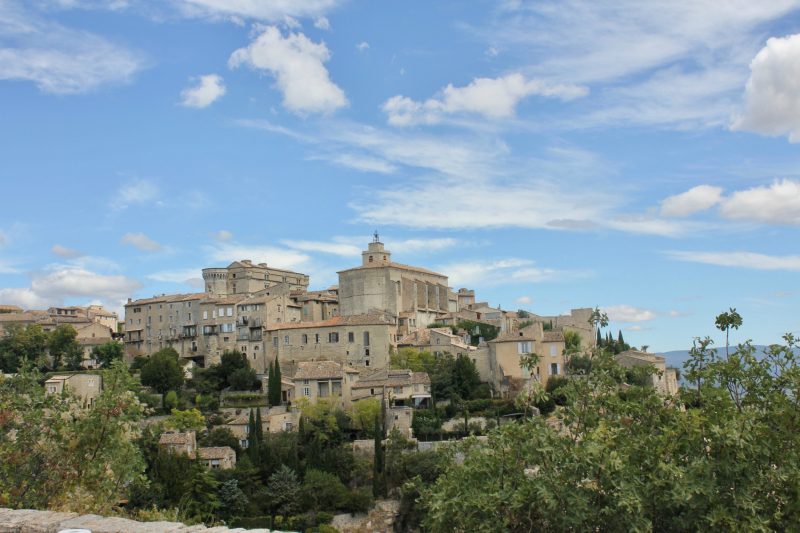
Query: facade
point(664, 380)
point(507, 350)
point(217, 457)
point(578, 321)
point(179, 442)
point(244, 277)
point(399, 387)
point(87, 387)
point(318, 380)
point(360, 340)
point(414, 297)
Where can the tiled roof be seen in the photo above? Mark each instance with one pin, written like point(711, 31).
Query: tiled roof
point(553, 336)
point(398, 266)
point(514, 336)
point(19, 317)
point(225, 300)
point(644, 356)
point(215, 452)
point(169, 298)
point(175, 438)
point(392, 378)
point(318, 370)
point(241, 420)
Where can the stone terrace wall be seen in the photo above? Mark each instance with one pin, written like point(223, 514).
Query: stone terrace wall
point(30, 521)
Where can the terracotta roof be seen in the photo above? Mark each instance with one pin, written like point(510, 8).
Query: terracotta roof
point(225, 300)
point(392, 378)
point(553, 336)
point(10, 308)
point(169, 298)
point(643, 356)
point(318, 370)
point(175, 437)
point(246, 263)
point(398, 266)
point(354, 320)
point(19, 317)
point(215, 452)
point(241, 420)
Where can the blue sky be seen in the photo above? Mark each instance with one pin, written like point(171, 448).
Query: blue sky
point(638, 156)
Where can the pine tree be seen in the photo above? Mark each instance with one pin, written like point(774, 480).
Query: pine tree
point(200, 500)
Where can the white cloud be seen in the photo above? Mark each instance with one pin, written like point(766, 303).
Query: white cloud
point(493, 98)
point(772, 94)
point(3, 238)
point(692, 201)
point(503, 271)
point(208, 89)
point(59, 59)
point(628, 313)
point(142, 242)
point(362, 163)
point(137, 192)
point(363, 45)
point(410, 246)
point(778, 203)
point(222, 235)
point(271, 10)
point(322, 23)
point(750, 260)
point(188, 276)
point(335, 248)
point(228, 252)
point(297, 63)
point(60, 282)
point(65, 252)
point(524, 300)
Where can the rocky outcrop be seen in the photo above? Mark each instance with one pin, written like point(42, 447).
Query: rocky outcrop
point(379, 520)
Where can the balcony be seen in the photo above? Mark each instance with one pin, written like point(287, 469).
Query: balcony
point(256, 322)
point(209, 330)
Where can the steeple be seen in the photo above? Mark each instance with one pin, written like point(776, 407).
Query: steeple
point(376, 254)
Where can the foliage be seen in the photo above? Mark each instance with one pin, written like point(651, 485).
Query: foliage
point(233, 502)
point(200, 500)
point(220, 436)
point(364, 413)
point(284, 489)
point(635, 461)
point(322, 491)
point(244, 379)
point(191, 419)
point(107, 353)
point(162, 371)
point(521, 313)
point(58, 455)
point(22, 343)
point(727, 321)
point(572, 341)
point(478, 330)
point(378, 461)
point(450, 377)
point(274, 383)
point(62, 345)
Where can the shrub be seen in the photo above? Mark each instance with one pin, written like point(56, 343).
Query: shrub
point(252, 522)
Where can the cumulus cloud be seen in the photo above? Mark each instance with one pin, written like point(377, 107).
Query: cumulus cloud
point(524, 300)
point(322, 23)
point(142, 242)
point(777, 203)
point(493, 98)
point(298, 66)
point(58, 59)
point(205, 92)
point(628, 313)
point(363, 45)
point(227, 252)
point(272, 10)
point(60, 282)
point(750, 260)
point(137, 192)
point(692, 201)
point(65, 252)
point(772, 94)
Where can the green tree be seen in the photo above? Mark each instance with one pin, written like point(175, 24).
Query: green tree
point(190, 419)
point(274, 384)
point(200, 500)
point(61, 342)
point(107, 353)
point(284, 490)
point(322, 491)
point(364, 414)
point(465, 377)
point(233, 501)
point(230, 362)
point(378, 477)
point(244, 379)
point(22, 343)
point(221, 436)
point(162, 371)
point(727, 321)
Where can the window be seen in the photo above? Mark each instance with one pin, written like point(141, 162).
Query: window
point(351, 337)
point(275, 341)
point(553, 350)
point(316, 338)
point(333, 337)
point(230, 311)
point(370, 259)
point(286, 340)
point(205, 315)
point(366, 338)
point(524, 347)
point(306, 391)
point(305, 338)
point(553, 369)
point(398, 390)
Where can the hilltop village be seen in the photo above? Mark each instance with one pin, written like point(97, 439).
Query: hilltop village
point(258, 372)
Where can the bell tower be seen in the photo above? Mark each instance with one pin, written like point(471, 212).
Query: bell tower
point(376, 254)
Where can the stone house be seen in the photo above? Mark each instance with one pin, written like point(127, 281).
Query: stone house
point(179, 442)
point(507, 350)
point(315, 380)
point(664, 380)
point(87, 387)
point(217, 457)
point(401, 387)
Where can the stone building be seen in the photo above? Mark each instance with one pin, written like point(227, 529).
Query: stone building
point(664, 380)
point(179, 442)
point(413, 296)
point(507, 350)
point(324, 380)
point(399, 387)
point(87, 387)
point(217, 457)
point(361, 340)
point(244, 277)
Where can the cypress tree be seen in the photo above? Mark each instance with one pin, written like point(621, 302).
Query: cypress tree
point(599, 338)
point(620, 340)
point(271, 385)
point(277, 396)
point(252, 437)
point(259, 427)
point(378, 479)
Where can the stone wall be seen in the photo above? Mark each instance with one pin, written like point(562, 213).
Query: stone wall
point(30, 521)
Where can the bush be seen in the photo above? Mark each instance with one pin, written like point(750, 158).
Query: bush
point(325, 528)
point(324, 517)
point(359, 501)
point(252, 522)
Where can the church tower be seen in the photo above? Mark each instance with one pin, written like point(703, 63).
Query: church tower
point(376, 254)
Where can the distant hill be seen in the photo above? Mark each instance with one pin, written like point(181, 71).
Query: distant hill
point(676, 358)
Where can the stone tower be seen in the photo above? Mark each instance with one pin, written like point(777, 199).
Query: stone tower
point(376, 254)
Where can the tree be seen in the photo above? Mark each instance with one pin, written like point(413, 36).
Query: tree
point(364, 414)
point(378, 477)
point(107, 353)
point(73, 357)
point(274, 384)
point(162, 371)
point(22, 343)
point(61, 342)
point(233, 502)
point(200, 501)
point(727, 321)
point(230, 362)
point(465, 377)
point(243, 379)
point(57, 454)
point(284, 490)
point(191, 419)
point(521, 313)
point(322, 491)
point(220, 436)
